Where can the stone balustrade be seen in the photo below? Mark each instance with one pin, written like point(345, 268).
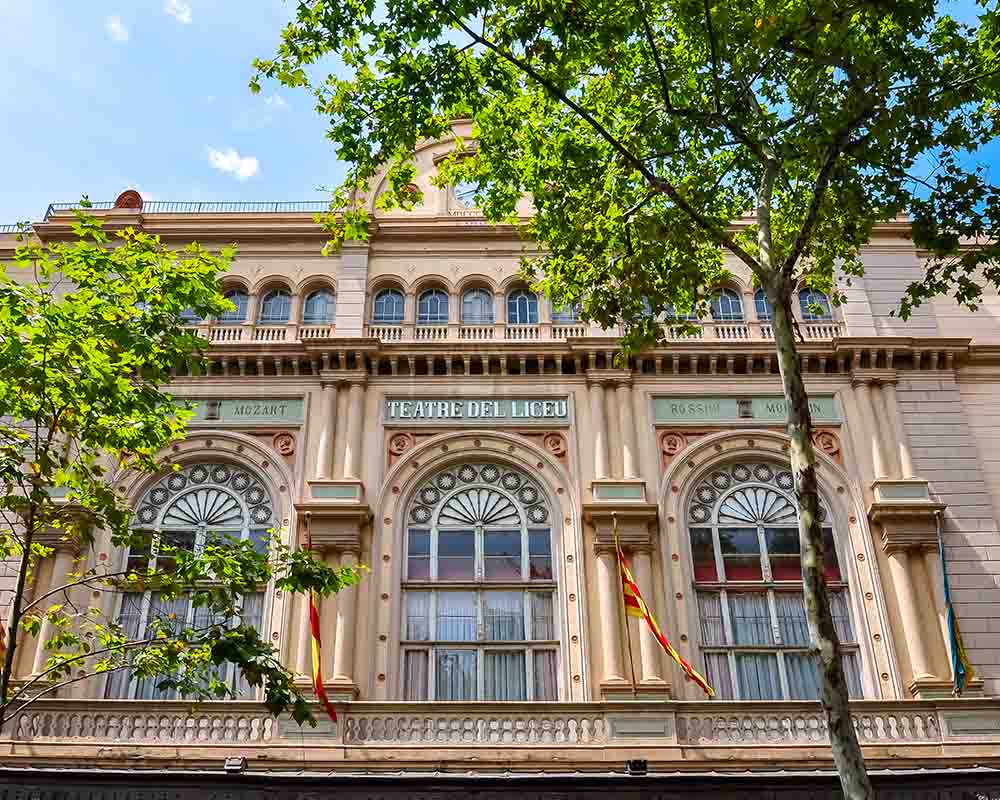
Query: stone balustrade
point(423, 728)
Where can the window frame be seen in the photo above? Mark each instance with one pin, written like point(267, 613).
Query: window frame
point(330, 313)
point(238, 315)
point(809, 297)
point(568, 315)
point(732, 298)
point(768, 586)
point(514, 297)
point(381, 296)
point(268, 314)
point(436, 298)
point(765, 312)
point(487, 302)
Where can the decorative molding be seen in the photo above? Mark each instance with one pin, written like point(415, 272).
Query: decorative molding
point(637, 525)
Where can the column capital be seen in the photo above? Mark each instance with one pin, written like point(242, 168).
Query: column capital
point(873, 377)
point(343, 377)
point(610, 378)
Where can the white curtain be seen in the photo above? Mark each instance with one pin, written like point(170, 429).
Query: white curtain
point(758, 676)
point(751, 619)
point(418, 616)
point(415, 675)
point(802, 670)
point(173, 617)
point(253, 615)
point(503, 675)
point(840, 607)
point(455, 675)
point(713, 631)
point(719, 677)
point(542, 616)
point(456, 616)
point(503, 616)
point(130, 618)
point(546, 678)
point(852, 672)
point(792, 619)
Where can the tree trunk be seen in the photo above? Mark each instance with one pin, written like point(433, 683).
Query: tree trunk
point(843, 739)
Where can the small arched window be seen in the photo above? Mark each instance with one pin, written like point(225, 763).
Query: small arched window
point(726, 306)
point(241, 300)
point(742, 520)
point(432, 308)
point(477, 307)
point(388, 306)
point(765, 313)
point(320, 308)
point(566, 315)
point(276, 306)
point(522, 308)
point(811, 302)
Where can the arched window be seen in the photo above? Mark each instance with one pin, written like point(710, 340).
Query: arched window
point(189, 317)
point(743, 524)
point(388, 306)
point(522, 308)
point(432, 308)
point(276, 306)
point(808, 300)
point(764, 311)
point(479, 594)
point(567, 315)
point(726, 306)
point(241, 300)
point(320, 308)
point(670, 313)
point(477, 307)
point(181, 510)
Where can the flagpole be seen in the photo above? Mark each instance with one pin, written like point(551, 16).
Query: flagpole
point(621, 598)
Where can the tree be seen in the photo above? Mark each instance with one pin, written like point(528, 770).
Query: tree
point(642, 129)
point(88, 337)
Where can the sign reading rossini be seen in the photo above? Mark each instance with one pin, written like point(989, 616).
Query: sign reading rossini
point(504, 410)
point(766, 408)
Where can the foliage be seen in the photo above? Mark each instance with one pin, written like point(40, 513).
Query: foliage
point(662, 141)
point(89, 332)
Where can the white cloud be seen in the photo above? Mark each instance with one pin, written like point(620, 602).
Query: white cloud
point(228, 160)
point(275, 101)
point(179, 10)
point(116, 28)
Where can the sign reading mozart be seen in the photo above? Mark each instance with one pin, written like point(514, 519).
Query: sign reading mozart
point(768, 409)
point(286, 410)
point(505, 410)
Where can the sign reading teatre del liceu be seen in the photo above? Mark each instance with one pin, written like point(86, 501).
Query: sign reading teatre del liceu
point(511, 410)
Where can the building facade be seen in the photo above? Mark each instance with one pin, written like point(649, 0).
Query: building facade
point(409, 404)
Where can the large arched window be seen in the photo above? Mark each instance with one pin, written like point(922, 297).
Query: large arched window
point(479, 593)
point(726, 306)
point(477, 307)
point(276, 306)
point(765, 313)
point(180, 511)
point(743, 525)
point(432, 308)
point(815, 306)
point(241, 300)
point(522, 308)
point(320, 308)
point(567, 315)
point(388, 306)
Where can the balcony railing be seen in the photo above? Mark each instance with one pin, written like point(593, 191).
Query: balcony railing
point(408, 332)
point(421, 729)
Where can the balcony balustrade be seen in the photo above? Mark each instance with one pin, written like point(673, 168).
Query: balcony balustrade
point(422, 728)
point(407, 332)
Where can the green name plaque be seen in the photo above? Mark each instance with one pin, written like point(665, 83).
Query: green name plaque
point(275, 410)
point(767, 409)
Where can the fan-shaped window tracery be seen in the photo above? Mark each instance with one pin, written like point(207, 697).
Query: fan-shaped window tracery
point(743, 525)
point(479, 590)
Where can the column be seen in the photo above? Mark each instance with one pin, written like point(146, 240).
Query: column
point(863, 393)
point(899, 430)
point(327, 431)
point(649, 648)
point(60, 572)
point(612, 432)
point(626, 424)
point(343, 649)
point(885, 429)
point(932, 564)
point(304, 656)
point(600, 431)
point(355, 423)
point(901, 570)
point(608, 596)
point(327, 618)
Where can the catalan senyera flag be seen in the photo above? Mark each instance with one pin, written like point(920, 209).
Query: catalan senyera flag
point(961, 667)
point(635, 606)
point(317, 646)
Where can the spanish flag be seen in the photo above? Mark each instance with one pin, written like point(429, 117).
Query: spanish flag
point(317, 646)
point(636, 607)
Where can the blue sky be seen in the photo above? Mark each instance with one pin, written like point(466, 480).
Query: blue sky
point(104, 95)
point(100, 96)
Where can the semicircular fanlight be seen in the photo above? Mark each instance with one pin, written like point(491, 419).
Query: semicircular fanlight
point(209, 507)
point(757, 505)
point(479, 506)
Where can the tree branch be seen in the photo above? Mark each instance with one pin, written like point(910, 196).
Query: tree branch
point(664, 87)
point(716, 89)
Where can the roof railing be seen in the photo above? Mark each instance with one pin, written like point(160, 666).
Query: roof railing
point(207, 207)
